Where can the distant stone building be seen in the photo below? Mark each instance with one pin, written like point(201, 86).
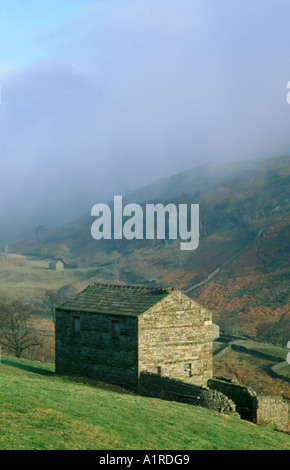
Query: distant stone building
point(115, 333)
point(56, 265)
point(216, 331)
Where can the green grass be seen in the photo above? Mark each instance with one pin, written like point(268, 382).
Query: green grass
point(282, 369)
point(219, 346)
point(274, 351)
point(39, 410)
point(280, 353)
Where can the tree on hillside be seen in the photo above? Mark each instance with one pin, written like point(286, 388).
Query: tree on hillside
point(16, 332)
point(275, 332)
point(55, 297)
point(264, 331)
point(39, 231)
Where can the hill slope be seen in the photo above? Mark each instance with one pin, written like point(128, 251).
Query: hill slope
point(241, 267)
point(42, 411)
point(234, 199)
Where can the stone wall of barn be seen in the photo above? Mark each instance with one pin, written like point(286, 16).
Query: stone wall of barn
point(93, 352)
point(175, 340)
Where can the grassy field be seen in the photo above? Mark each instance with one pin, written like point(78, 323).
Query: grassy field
point(30, 278)
point(39, 410)
point(265, 349)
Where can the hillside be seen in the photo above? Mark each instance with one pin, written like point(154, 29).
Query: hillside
point(253, 369)
point(76, 415)
point(241, 267)
point(234, 201)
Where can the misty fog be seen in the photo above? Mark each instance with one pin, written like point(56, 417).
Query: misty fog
point(129, 92)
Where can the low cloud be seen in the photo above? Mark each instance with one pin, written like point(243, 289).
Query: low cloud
point(136, 92)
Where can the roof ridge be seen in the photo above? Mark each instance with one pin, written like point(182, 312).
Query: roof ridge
point(126, 286)
point(116, 299)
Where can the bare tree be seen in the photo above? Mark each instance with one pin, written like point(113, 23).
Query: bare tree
point(54, 297)
point(40, 229)
point(51, 299)
point(117, 256)
point(16, 332)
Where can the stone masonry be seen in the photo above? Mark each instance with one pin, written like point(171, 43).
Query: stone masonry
point(261, 410)
point(175, 340)
point(153, 385)
point(115, 333)
point(93, 352)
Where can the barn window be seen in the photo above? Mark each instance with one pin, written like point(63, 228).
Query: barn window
point(187, 369)
point(115, 329)
point(76, 325)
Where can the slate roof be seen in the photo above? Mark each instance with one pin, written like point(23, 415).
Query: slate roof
point(114, 299)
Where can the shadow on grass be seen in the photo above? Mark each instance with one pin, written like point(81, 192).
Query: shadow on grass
point(69, 378)
point(42, 268)
point(97, 384)
point(29, 368)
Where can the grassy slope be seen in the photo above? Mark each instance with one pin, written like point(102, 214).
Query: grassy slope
point(39, 410)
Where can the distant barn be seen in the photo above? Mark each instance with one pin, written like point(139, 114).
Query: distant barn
point(56, 265)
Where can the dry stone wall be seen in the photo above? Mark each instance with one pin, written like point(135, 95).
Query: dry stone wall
point(272, 410)
point(257, 409)
point(154, 385)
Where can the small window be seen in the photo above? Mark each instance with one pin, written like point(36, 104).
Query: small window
point(76, 325)
point(158, 370)
point(187, 369)
point(115, 330)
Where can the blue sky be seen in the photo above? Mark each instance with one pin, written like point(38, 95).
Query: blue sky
point(103, 96)
point(27, 27)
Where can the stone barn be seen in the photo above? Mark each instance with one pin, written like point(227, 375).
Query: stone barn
point(116, 332)
point(56, 265)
